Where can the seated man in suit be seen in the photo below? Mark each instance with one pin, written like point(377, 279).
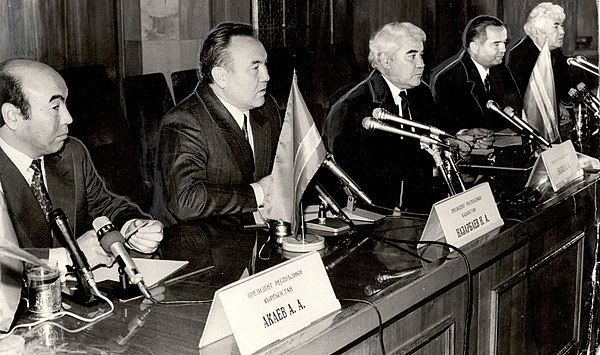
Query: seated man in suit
point(42, 168)
point(393, 170)
point(216, 148)
point(463, 84)
point(545, 21)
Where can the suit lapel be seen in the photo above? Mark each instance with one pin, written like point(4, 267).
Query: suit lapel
point(61, 186)
point(25, 212)
point(232, 133)
point(473, 80)
point(261, 133)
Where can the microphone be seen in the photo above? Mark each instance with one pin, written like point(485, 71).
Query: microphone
point(61, 227)
point(385, 115)
point(341, 174)
point(388, 276)
point(581, 62)
point(333, 260)
point(518, 122)
point(587, 94)
point(113, 242)
point(332, 205)
point(371, 123)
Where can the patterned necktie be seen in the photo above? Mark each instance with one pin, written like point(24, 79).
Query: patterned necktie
point(245, 127)
point(486, 83)
point(39, 189)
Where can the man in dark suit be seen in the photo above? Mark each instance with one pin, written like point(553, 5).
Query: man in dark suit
point(463, 84)
point(394, 171)
point(545, 21)
point(41, 169)
point(216, 148)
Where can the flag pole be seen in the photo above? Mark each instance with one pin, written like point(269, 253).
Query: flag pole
point(302, 223)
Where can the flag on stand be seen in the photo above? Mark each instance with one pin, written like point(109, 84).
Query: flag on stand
point(539, 102)
point(300, 153)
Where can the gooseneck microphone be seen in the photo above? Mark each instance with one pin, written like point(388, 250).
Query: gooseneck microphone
point(371, 123)
point(81, 267)
point(385, 115)
point(113, 242)
point(332, 205)
point(341, 174)
point(582, 88)
point(519, 123)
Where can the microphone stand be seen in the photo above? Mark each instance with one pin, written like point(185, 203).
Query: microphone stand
point(447, 167)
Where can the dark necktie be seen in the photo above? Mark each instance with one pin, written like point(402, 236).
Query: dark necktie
point(39, 188)
point(245, 128)
point(404, 108)
point(404, 112)
point(486, 83)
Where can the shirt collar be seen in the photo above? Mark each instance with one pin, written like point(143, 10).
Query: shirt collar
point(237, 114)
point(394, 89)
point(21, 160)
point(483, 72)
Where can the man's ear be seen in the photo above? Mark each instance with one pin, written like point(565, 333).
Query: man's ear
point(474, 46)
point(11, 114)
point(384, 59)
point(219, 76)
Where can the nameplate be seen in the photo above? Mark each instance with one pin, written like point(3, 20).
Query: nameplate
point(559, 164)
point(271, 305)
point(463, 217)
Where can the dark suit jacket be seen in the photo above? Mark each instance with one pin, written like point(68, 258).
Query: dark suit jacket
point(521, 58)
point(204, 163)
point(73, 185)
point(458, 88)
point(378, 161)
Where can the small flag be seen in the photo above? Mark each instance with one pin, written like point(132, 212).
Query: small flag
point(300, 153)
point(540, 98)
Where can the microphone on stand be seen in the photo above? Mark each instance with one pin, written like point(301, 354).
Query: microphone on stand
point(332, 205)
point(384, 115)
point(113, 242)
point(330, 164)
point(81, 267)
point(519, 123)
point(371, 123)
point(582, 88)
point(579, 98)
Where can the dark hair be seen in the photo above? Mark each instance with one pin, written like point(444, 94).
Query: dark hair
point(476, 28)
point(11, 90)
point(214, 50)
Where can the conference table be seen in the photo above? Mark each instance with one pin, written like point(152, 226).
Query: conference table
point(527, 289)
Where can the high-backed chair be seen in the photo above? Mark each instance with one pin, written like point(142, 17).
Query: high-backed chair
point(99, 122)
point(147, 99)
point(184, 83)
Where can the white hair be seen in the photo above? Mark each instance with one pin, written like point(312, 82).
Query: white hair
point(539, 13)
point(389, 38)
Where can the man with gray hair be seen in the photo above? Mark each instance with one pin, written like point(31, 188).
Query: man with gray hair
point(393, 171)
point(545, 22)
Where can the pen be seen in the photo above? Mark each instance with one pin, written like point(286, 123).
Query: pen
point(196, 272)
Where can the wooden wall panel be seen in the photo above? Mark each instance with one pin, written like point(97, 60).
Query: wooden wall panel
point(90, 33)
point(230, 10)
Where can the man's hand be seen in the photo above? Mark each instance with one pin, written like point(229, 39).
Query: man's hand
point(94, 253)
point(265, 182)
point(148, 237)
point(479, 137)
point(563, 112)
